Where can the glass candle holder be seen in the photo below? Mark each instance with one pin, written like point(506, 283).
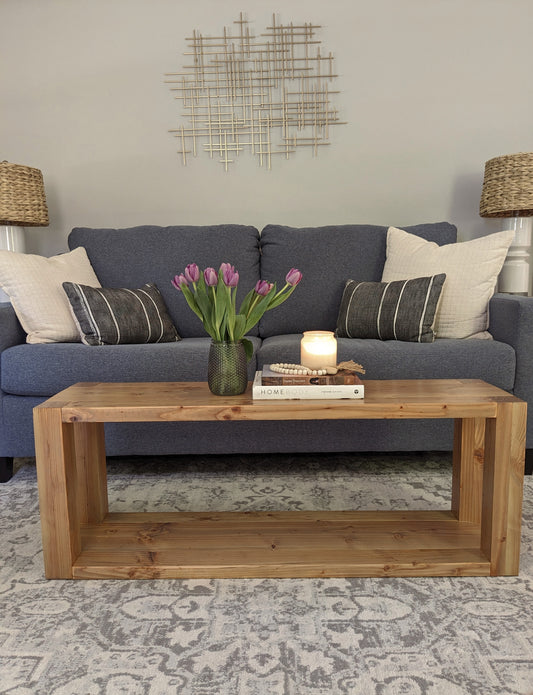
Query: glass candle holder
point(318, 349)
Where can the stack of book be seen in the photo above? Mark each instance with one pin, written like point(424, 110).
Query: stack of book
point(270, 384)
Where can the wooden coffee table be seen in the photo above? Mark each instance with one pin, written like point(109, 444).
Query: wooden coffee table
point(479, 535)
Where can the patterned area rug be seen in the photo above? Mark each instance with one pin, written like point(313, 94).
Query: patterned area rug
point(426, 636)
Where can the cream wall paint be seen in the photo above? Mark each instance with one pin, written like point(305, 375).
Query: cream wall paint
point(431, 89)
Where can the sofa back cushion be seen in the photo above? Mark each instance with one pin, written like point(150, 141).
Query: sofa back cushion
point(139, 255)
point(327, 257)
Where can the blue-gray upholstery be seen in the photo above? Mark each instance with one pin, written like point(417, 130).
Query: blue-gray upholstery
point(327, 256)
point(132, 257)
point(393, 359)
point(38, 370)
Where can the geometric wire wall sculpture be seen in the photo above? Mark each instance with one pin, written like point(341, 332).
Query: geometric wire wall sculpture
point(268, 95)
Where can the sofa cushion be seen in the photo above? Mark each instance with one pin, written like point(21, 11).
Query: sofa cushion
point(34, 285)
point(137, 255)
point(401, 310)
point(490, 360)
point(113, 317)
point(42, 370)
point(471, 268)
point(327, 257)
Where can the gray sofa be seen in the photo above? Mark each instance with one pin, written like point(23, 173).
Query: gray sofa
point(327, 257)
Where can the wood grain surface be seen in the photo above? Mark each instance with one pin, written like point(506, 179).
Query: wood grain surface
point(479, 535)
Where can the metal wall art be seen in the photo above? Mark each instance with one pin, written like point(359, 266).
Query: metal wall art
point(268, 95)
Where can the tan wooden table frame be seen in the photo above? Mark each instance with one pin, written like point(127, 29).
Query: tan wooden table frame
point(479, 535)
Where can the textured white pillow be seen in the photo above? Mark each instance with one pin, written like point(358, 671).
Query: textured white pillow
point(35, 287)
point(471, 268)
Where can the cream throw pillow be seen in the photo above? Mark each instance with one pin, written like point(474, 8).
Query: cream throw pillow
point(471, 268)
point(35, 287)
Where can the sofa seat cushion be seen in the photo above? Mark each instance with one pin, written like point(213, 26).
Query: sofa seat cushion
point(42, 370)
point(327, 257)
point(490, 360)
point(137, 255)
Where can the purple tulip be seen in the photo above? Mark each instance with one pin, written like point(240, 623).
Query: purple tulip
point(229, 275)
point(192, 272)
point(263, 287)
point(180, 280)
point(210, 277)
point(293, 277)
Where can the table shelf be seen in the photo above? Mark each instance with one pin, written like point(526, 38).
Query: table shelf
point(280, 544)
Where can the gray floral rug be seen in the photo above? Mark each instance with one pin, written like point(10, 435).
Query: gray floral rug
point(426, 636)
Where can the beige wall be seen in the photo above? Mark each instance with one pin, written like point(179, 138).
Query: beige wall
point(431, 89)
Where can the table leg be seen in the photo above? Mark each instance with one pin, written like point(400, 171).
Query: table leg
point(467, 475)
point(503, 487)
point(91, 471)
point(56, 477)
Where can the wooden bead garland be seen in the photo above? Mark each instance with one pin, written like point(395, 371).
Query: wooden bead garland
point(287, 368)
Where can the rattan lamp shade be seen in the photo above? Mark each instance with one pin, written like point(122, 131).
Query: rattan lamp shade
point(22, 198)
point(508, 186)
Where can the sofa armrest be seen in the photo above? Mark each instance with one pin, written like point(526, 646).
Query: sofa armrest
point(11, 332)
point(511, 321)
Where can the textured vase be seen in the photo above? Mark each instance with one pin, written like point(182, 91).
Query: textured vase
point(227, 372)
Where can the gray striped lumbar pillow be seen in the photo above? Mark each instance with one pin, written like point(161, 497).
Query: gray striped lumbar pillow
point(399, 310)
point(115, 316)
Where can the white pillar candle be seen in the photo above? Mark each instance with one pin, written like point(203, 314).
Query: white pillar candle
point(318, 349)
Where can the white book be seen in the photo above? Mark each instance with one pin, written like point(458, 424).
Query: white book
point(283, 392)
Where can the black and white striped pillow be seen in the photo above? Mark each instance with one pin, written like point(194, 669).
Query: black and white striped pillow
point(399, 310)
point(116, 316)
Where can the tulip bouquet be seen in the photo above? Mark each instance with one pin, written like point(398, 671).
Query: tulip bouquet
point(211, 295)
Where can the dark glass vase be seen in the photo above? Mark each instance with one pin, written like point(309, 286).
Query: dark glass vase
point(227, 372)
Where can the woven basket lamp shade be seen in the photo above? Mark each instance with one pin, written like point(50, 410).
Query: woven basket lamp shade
point(508, 192)
point(508, 186)
point(22, 198)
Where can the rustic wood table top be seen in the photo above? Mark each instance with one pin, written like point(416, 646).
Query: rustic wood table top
point(168, 401)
